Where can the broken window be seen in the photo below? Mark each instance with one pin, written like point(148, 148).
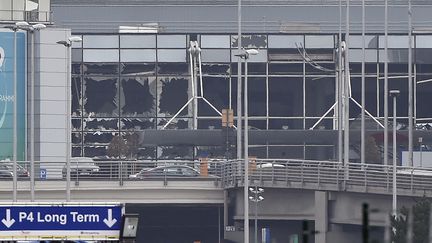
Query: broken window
point(216, 68)
point(101, 96)
point(177, 123)
point(100, 68)
point(216, 92)
point(250, 41)
point(172, 95)
point(133, 69)
point(137, 124)
point(175, 152)
point(138, 96)
point(100, 124)
point(76, 96)
point(95, 151)
point(173, 68)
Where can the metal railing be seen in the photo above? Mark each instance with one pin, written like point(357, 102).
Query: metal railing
point(308, 174)
point(329, 175)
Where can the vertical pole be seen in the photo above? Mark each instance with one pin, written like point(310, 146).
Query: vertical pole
point(68, 169)
point(430, 224)
point(32, 118)
point(225, 211)
point(421, 150)
point(410, 88)
point(363, 98)
point(340, 90)
point(256, 213)
point(347, 92)
point(246, 156)
point(394, 157)
point(195, 91)
point(14, 169)
point(239, 84)
point(386, 90)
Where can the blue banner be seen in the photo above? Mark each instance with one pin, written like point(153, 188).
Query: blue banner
point(59, 218)
point(7, 96)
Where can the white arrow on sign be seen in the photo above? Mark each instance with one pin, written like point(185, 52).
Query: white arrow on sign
point(8, 221)
point(110, 221)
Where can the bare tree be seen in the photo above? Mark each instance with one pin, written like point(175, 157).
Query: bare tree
point(117, 147)
point(372, 154)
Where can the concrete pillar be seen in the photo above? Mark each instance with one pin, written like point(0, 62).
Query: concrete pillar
point(321, 216)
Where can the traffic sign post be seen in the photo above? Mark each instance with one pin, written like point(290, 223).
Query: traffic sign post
point(43, 174)
point(60, 222)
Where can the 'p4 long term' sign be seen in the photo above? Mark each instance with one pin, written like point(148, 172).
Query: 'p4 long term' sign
point(60, 221)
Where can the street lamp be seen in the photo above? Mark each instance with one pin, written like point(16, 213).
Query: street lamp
point(68, 44)
point(31, 29)
point(394, 94)
point(256, 197)
point(245, 56)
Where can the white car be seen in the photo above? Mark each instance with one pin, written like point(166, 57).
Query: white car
point(81, 166)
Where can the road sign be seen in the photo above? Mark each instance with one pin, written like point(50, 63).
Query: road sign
point(43, 174)
point(60, 221)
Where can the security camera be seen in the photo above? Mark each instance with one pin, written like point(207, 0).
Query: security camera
point(343, 45)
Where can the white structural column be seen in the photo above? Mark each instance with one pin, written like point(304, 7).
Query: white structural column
point(239, 84)
point(15, 109)
point(363, 99)
point(386, 90)
point(410, 88)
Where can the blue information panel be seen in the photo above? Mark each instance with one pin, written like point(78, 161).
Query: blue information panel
point(58, 221)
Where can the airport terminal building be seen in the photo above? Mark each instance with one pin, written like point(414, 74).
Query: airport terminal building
point(134, 73)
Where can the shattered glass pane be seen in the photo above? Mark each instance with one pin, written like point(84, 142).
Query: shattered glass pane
point(95, 151)
point(215, 68)
point(76, 138)
point(250, 41)
point(100, 124)
point(175, 152)
point(76, 96)
point(101, 96)
point(173, 68)
point(172, 95)
point(100, 68)
point(216, 92)
point(177, 123)
point(132, 69)
point(212, 152)
point(98, 137)
point(137, 124)
point(76, 124)
point(147, 153)
point(138, 96)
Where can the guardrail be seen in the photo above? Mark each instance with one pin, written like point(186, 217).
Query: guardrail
point(311, 174)
point(329, 175)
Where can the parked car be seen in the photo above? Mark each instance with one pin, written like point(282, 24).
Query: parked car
point(6, 170)
point(169, 171)
point(81, 166)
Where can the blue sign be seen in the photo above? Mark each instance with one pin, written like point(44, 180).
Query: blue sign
point(60, 221)
point(43, 173)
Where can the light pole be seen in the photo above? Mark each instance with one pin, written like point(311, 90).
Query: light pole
point(245, 56)
point(256, 198)
point(31, 29)
point(68, 44)
point(394, 94)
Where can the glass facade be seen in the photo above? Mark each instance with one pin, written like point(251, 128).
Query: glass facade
point(125, 83)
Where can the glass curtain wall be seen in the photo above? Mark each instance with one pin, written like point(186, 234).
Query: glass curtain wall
point(126, 83)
